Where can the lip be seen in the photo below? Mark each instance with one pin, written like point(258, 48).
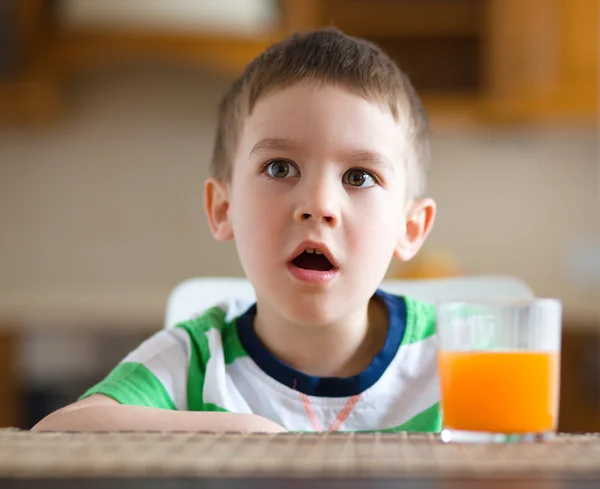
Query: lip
point(316, 277)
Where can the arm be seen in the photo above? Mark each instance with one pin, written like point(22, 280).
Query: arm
point(101, 413)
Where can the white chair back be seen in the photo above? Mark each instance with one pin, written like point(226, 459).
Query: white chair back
point(195, 295)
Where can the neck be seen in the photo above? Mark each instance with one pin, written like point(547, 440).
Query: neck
point(341, 349)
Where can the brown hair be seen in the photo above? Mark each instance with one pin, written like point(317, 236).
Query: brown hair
point(325, 56)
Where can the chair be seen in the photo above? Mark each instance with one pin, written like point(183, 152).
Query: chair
point(195, 295)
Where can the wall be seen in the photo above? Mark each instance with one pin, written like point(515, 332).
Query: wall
point(519, 202)
point(110, 199)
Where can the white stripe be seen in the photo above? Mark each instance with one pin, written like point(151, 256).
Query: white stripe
point(219, 389)
point(167, 355)
point(409, 386)
point(267, 397)
point(235, 308)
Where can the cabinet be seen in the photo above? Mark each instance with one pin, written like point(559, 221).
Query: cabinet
point(473, 61)
point(495, 61)
point(543, 59)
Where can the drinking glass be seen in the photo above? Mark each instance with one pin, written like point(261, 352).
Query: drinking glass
point(499, 366)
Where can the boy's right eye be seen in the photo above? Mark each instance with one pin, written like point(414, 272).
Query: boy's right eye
point(281, 169)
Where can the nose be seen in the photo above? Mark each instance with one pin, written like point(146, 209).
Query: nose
point(318, 202)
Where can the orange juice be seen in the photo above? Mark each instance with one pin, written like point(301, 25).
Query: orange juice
point(501, 392)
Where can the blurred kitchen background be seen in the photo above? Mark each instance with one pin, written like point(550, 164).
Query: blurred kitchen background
point(107, 116)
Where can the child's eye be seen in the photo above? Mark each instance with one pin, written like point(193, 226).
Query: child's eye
point(359, 178)
point(281, 169)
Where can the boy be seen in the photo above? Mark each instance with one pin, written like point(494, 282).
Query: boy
point(318, 165)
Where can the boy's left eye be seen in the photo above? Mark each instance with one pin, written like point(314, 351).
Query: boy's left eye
point(359, 178)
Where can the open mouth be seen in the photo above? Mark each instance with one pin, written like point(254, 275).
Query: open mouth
point(312, 259)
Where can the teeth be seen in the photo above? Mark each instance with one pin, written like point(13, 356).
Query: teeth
point(318, 252)
point(313, 250)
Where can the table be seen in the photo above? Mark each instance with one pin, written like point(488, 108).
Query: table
point(332, 460)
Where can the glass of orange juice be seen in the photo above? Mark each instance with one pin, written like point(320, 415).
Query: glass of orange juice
point(499, 366)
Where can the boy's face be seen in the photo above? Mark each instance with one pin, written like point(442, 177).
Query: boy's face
point(318, 168)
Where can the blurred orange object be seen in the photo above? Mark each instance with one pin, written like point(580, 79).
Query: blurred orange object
point(427, 265)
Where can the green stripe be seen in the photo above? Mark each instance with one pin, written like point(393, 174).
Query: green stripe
point(199, 355)
point(428, 421)
point(213, 318)
point(214, 408)
point(232, 347)
point(420, 321)
point(132, 383)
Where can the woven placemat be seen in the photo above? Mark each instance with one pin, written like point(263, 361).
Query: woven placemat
point(25, 454)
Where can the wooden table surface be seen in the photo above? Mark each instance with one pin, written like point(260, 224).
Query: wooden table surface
point(182, 460)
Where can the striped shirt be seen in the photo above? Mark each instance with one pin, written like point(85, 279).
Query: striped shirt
point(215, 362)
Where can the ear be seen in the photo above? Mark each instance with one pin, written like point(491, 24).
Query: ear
point(419, 222)
point(216, 205)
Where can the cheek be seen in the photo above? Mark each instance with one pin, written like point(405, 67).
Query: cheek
point(379, 227)
point(256, 219)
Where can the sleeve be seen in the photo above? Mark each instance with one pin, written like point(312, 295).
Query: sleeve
point(153, 375)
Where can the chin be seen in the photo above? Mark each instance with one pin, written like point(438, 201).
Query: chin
point(310, 306)
point(310, 309)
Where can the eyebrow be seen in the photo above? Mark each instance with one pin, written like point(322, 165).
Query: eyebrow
point(363, 156)
point(272, 144)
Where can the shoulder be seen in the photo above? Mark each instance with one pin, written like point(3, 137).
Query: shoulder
point(220, 317)
point(419, 317)
point(420, 320)
point(214, 331)
point(167, 342)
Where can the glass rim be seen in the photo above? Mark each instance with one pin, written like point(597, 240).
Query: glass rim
point(537, 301)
